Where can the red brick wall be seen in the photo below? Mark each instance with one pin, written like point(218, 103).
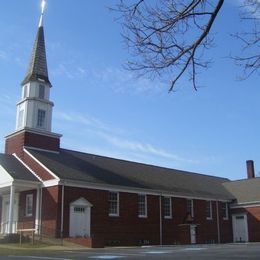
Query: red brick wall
point(129, 229)
point(50, 211)
point(23, 220)
point(15, 143)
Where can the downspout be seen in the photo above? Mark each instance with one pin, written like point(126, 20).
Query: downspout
point(62, 211)
point(161, 231)
point(218, 227)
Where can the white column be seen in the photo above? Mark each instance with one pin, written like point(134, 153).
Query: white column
point(11, 210)
point(37, 213)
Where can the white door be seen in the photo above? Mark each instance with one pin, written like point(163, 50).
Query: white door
point(193, 234)
point(80, 212)
point(240, 231)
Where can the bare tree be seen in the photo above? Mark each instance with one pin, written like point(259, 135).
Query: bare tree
point(249, 59)
point(171, 36)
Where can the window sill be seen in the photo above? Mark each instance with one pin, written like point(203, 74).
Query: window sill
point(142, 216)
point(113, 215)
point(168, 217)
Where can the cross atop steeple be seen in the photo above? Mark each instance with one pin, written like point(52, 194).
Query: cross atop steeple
point(38, 70)
point(43, 4)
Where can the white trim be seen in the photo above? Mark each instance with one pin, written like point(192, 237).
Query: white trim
point(41, 164)
point(41, 150)
point(6, 184)
point(26, 166)
point(81, 184)
point(51, 183)
point(33, 131)
point(11, 209)
point(245, 205)
point(218, 225)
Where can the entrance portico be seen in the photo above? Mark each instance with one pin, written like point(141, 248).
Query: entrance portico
point(14, 179)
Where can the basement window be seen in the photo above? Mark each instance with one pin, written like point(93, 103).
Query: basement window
point(29, 205)
point(113, 203)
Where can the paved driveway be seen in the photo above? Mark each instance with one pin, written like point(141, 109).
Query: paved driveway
point(209, 252)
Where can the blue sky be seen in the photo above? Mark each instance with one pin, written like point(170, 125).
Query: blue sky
point(103, 109)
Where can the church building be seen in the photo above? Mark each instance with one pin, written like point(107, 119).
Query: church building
point(100, 201)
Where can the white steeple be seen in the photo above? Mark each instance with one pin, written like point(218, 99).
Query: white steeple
point(34, 110)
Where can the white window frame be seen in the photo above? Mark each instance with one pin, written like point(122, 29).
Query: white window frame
point(140, 214)
point(210, 210)
point(170, 207)
point(226, 210)
point(192, 207)
point(116, 214)
point(41, 121)
point(29, 205)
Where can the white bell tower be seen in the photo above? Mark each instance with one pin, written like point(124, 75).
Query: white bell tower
point(34, 110)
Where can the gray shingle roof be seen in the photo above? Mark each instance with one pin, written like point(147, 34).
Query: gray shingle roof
point(245, 191)
point(16, 169)
point(93, 169)
point(38, 69)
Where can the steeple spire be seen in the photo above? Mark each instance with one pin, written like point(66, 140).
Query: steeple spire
point(43, 4)
point(38, 70)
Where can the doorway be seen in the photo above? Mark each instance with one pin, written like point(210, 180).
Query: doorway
point(80, 218)
point(240, 230)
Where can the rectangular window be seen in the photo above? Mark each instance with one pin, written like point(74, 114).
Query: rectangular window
point(190, 207)
point(224, 209)
point(142, 205)
point(25, 91)
point(167, 207)
point(29, 205)
point(41, 91)
point(113, 203)
point(41, 118)
point(209, 209)
point(20, 118)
